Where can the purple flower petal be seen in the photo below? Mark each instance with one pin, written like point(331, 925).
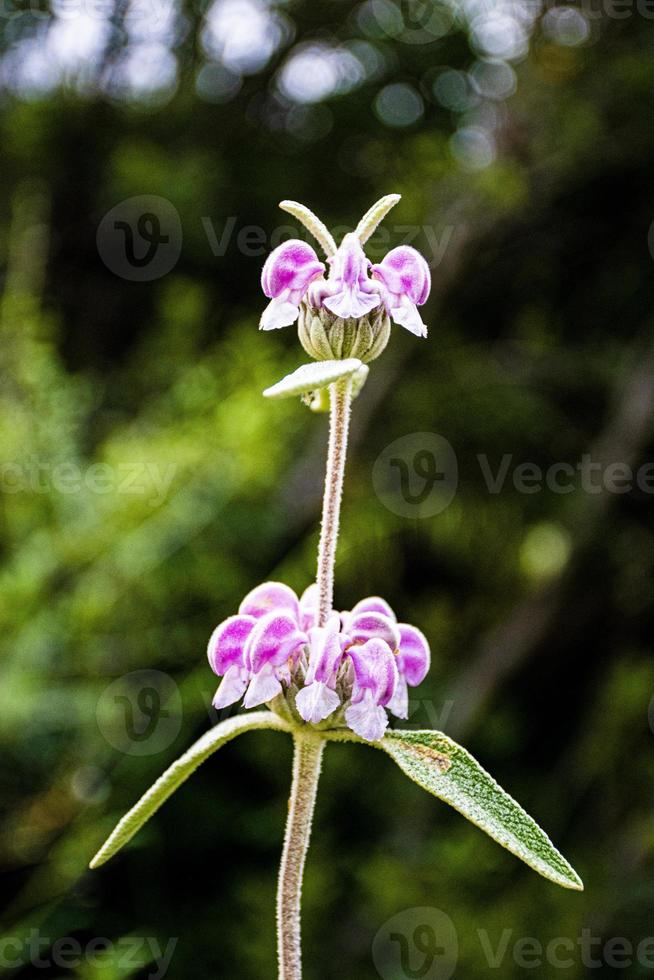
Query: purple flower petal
point(407, 280)
point(350, 291)
point(375, 671)
point(325, 652)
point(368, 625)
point(414, 657)
point(405, 272)
point(268, 597)
point(309, 607)
point(374, 604)
point(232, 686)
point(289, 269)
point(274, 640)
point(227, 644)
point(399, 703)
point(316, 701)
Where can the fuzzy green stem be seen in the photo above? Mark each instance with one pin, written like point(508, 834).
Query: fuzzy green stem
point(306, 771)
point(308, 746)
point(340, 393)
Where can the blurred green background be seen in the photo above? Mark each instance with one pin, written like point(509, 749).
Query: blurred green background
point(147, 485)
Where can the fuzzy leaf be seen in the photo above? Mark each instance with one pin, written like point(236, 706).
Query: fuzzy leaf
point(312, 223)
point(372, 218)
point(309, 377)
point(176, 774)
point(448, 771)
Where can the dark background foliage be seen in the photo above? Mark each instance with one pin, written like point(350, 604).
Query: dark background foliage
point(535, 185)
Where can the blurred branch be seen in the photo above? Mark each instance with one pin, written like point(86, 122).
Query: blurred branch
point(624, 437)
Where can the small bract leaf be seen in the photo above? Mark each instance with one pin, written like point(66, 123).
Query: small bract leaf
point(313, 224)
point(448, 771)
point(373, 217)
point(309, 377)
point(176, 774)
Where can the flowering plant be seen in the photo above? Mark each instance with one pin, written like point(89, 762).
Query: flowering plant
point(326, 676)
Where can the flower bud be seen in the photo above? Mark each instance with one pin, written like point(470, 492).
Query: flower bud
point(326, 336)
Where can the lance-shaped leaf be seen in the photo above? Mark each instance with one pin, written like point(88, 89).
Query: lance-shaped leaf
point(445, 769)
point(176, 774)
point(310, 377)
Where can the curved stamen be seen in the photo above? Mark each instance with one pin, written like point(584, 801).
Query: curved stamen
point(313, 224)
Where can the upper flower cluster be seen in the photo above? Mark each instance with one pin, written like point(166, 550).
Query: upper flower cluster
point(352, 670)
point(354, 287)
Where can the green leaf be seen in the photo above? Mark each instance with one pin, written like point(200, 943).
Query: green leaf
point(176, 774)
point(445, 769)
point(309, 377)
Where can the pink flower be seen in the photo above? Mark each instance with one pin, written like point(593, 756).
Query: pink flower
point(286, 276)
point(354, 669)
point(293, 273)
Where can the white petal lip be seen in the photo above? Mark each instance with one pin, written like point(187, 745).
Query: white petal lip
point(263, 687)
point(231, 687)
point(280, 312)
point(316, 701)
point(407, 316)
point(367, 719)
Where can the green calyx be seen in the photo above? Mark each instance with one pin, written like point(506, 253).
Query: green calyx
point(326, 337)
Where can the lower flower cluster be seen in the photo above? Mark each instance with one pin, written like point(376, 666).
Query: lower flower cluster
point(352, 670)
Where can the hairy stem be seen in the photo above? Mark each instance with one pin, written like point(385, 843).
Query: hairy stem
point(340, 395)
point(306, 771)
